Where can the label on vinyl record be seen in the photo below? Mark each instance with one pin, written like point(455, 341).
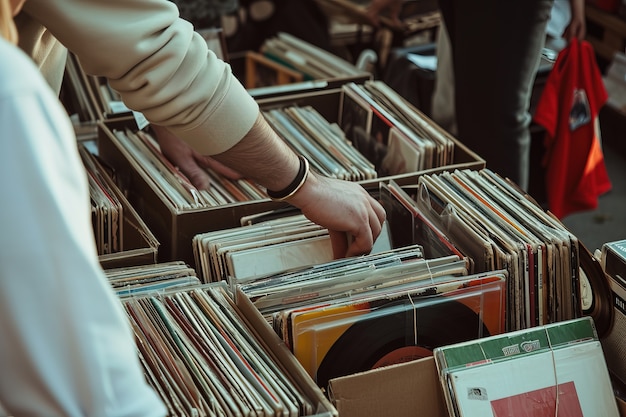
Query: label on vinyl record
point(403, 354)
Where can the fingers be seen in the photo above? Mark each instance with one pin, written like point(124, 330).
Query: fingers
point(186, 162)
point(348, 244)
point(197, 175)
point(362, 227)
point(379, 210)
point(339, 243)
point(350, 214)
point(369, 230)
point(220, 168)
point(181, 155)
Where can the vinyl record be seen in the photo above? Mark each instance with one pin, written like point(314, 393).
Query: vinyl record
point(408, 332)
point(596, 293)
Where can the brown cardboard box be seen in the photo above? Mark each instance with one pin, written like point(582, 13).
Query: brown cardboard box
point(405, 390)
point(139, 245)
point(327, 103)
point(284, 357)
point(175, 229)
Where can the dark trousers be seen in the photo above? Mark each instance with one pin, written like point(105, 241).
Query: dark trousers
point(496, 49)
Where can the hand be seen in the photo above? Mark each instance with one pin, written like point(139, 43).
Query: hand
point(344, 208)
point(576, 29)
point(190, 162)
point(377, 6)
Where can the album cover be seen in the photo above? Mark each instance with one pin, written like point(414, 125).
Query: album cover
point(401, 157)
point(579, 384)
point(106, 205)
point(274, 257)
point(355, 119)
point(409, 226)
point(467, 234)
point(151, 279)
point(308, 58)
point(394, 135)
point(325, 147)
point(437, 143)
point(211, 248)
point(333, 141)
point(374, 329)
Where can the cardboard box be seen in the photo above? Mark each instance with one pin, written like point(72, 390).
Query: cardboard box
point(284, 357)
point(139, 247)
point(173, 228)
point(405, 390)
point(176, 228)
point(327, 103)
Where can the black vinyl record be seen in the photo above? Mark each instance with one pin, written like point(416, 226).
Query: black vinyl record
point(596, 293)
point(400, 324)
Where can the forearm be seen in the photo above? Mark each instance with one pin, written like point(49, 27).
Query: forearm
point(262, 156)
point(578, 8)
point(577, 27)
point(343, 207)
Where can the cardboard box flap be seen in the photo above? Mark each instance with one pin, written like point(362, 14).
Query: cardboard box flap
point(284, 356)
point(379, 392)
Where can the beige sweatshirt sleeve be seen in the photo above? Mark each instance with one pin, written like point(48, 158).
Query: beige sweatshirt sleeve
point(157, 63)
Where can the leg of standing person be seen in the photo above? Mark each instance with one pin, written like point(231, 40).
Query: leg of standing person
point(496, 47)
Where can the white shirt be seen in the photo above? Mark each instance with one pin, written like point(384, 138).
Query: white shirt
point(66, 348)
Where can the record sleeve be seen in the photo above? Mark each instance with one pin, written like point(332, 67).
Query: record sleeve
point(352, 335)
point(559, 371)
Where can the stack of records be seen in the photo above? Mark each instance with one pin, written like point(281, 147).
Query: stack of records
point(204, 359)
point(83, 98)
point(558, 369)
point(143, 148)
point(267, 247)
point(121, 236)
point(324, 144)
point(390, 132)
point(263, 249)
point(313, 62)
point(355, 314)
point(107, 212)
point(491, 219)
point(148, 279)
point(409, 226)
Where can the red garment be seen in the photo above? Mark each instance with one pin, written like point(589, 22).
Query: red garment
point(568, 109)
